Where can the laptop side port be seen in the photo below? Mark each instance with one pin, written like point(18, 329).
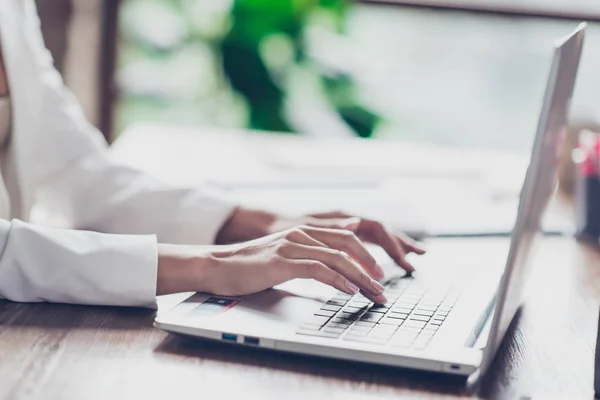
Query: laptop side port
point(251, 340)
point(229, 337)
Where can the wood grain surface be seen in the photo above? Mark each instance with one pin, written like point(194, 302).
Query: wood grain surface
point(50, 351)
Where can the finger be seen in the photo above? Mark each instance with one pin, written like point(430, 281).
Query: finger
point(331, 214)
point(297, 235)
point(351, 223)
point(410, 245)
point(312, 269)
point(341, 263)
point(347, 241)
point(380, 235)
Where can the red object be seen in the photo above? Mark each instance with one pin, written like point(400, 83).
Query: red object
point(589, 166)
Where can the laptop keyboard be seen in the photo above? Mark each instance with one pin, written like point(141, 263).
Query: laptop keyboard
point(410, 319)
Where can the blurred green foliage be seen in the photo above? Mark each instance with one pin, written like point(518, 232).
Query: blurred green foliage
point(256, 48)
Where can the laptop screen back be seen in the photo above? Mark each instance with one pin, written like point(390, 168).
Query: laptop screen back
point(539, 185)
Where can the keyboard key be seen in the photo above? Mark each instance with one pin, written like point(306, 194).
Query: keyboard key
point(403, 305)
point(403, 333)
point(402, 310)
point(380, 306)
point(384, 328)
point(353, 333)
point(391, 321)
point(334, 325)
point(436, 322)
point(398, 315)
point(423, 318)
point(325, 313)
point(328, 329)
point(365, 323)
point(426, 313)
point(371, 317)
point(331, 307)
point(415, 324)
point(380, 335)
point(318, 333)
point(359, 328)
point(432, 327)
point(425, 307)
point(402, 341)
point(353, 307)
point(430, 305)
point(349, 316)
point(333, 302)
point(317, 320)
point(427, 335)
point(383, 333)
point(411, 296)
point(337, 320)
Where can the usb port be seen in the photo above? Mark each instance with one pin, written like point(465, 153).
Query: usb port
point(251, 340)
point(230, 337)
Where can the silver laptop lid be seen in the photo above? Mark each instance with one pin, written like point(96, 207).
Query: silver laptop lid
point(538, 187)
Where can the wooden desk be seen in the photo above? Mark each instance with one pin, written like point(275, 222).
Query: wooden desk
point(75, 352)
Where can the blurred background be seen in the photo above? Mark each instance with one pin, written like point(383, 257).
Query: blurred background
point(466, 73)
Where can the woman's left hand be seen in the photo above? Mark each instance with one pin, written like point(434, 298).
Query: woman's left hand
point(247, 224)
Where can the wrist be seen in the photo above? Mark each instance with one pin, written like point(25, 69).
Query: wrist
point(181, 269)
point(245, 224)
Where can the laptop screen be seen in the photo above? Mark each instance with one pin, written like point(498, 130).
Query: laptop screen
point(538, 187)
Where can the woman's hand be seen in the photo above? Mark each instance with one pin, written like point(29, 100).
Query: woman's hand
point(250, 224)
point(332, 256)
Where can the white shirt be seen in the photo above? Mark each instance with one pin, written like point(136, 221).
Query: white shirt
point(5, 119)
point(60, 179)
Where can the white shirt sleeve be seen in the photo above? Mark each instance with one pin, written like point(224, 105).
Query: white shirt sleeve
point(97, 194)
point(42, 264)
point(77, 182)
point(66, 171)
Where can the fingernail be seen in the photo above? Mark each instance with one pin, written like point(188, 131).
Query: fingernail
point(381, 299)
point(352, 289)
point(378, 287)
point(379, 274)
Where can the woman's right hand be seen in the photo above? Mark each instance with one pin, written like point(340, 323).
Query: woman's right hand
point(332, 256)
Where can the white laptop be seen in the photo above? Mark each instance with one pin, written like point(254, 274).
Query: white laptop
point(449, 317)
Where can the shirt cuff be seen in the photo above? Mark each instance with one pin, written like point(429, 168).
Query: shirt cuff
point(80, 267)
